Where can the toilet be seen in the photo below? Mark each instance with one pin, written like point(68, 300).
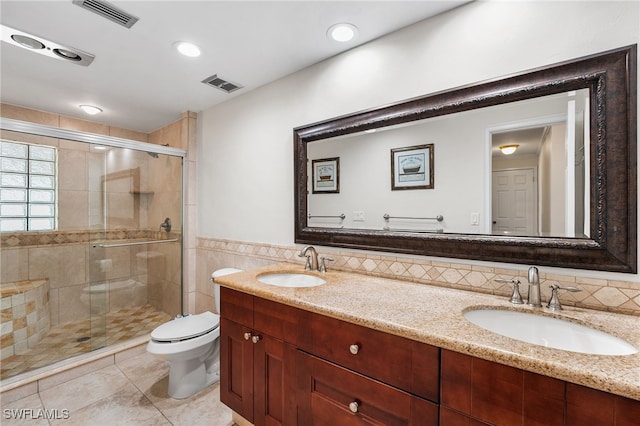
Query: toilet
point(191, 346)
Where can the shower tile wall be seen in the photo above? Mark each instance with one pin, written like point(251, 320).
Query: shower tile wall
point(24, 316)
point(65, 256)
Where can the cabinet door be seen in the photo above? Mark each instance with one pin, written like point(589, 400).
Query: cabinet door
point(499, 394)
point(274, 382)
point(590, 406)
point(236, 368)
point(331, 395)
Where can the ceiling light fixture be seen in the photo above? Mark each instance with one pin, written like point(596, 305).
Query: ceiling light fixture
point(342, 32)
point(43, 46)
point(90, 109)
point(187, 49)
point(509, 149)
point(27, 42)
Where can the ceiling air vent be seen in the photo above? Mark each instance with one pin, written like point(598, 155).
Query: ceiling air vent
point(108, 11)
point(224, 85)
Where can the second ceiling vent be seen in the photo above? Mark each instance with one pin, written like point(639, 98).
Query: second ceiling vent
point(108, 11)
point(219, 83)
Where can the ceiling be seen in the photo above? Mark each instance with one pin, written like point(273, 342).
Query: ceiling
point(139, 79)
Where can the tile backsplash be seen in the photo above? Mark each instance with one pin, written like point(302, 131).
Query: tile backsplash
point(600, 294)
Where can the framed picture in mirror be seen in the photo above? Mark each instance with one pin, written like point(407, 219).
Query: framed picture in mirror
point(412, 167)
point(325, 174)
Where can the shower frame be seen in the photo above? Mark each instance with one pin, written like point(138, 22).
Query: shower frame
point(7, 124)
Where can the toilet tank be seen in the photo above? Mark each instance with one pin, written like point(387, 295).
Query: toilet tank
point(216, 287)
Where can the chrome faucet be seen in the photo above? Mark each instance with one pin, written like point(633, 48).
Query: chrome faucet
point(533, 298)
point(312, 259)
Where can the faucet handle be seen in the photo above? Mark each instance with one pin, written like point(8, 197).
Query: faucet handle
point(307, 264)
point(516, 299)
point(323, 265)
point(554, 302)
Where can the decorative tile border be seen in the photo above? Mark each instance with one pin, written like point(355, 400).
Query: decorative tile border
point(49, 238)
point(605, 295)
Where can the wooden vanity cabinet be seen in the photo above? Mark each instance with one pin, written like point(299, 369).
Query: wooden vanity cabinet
point(353, 375)
point(257, 358)
point(285, 366)
point(477, 392)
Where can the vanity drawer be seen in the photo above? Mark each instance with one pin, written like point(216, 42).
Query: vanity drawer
point(404, 363)
point(236, 306)
point(332, 395)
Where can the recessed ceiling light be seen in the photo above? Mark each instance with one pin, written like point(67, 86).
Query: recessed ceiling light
point(187, 49)
point(90, 109)
point(67, 54)
point(26, 41)
point(342, 32)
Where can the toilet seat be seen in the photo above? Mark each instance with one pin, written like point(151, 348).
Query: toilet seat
point(186, 328)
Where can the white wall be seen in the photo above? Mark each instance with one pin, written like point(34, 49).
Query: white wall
point(245, 146)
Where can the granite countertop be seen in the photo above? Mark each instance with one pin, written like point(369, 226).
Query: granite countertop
point(434, 315)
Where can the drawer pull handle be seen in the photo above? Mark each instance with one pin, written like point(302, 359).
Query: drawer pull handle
point(247, 336)
point(354, 349)
point(354, 407)
point(255, 339)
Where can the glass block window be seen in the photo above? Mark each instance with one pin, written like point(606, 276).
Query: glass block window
point(27, 187)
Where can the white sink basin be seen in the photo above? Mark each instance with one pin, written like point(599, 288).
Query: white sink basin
point(549, 332)
point(291, 280)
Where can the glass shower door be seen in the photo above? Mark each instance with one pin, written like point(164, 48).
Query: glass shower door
point(135, 259)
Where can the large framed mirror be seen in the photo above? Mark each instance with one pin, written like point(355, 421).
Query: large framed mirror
point(433, 175)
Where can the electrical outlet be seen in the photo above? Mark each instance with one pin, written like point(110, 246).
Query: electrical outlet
point(475, 219)
point(358, 216)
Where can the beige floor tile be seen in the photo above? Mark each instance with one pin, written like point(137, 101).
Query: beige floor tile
point(204, 409)
point(144, 367)
point(126, 407)
point(78, 393)
point(24, 411)
point(132, 392)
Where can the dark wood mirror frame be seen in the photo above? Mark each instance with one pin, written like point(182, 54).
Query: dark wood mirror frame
point(611, 79)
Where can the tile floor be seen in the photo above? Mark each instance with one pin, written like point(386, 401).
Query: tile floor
point(131, 392)
point(68, 340)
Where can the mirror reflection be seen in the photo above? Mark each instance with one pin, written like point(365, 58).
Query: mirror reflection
point(448, 174)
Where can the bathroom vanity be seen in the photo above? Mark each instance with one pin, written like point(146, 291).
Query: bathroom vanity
point(366, 350)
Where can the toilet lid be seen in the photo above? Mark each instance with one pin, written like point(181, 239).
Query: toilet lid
point(184, 328)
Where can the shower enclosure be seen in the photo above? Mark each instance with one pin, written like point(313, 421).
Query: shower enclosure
point(90, 242)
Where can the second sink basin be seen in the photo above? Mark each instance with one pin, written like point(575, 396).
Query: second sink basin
point(550, 332)
point(291, 280)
